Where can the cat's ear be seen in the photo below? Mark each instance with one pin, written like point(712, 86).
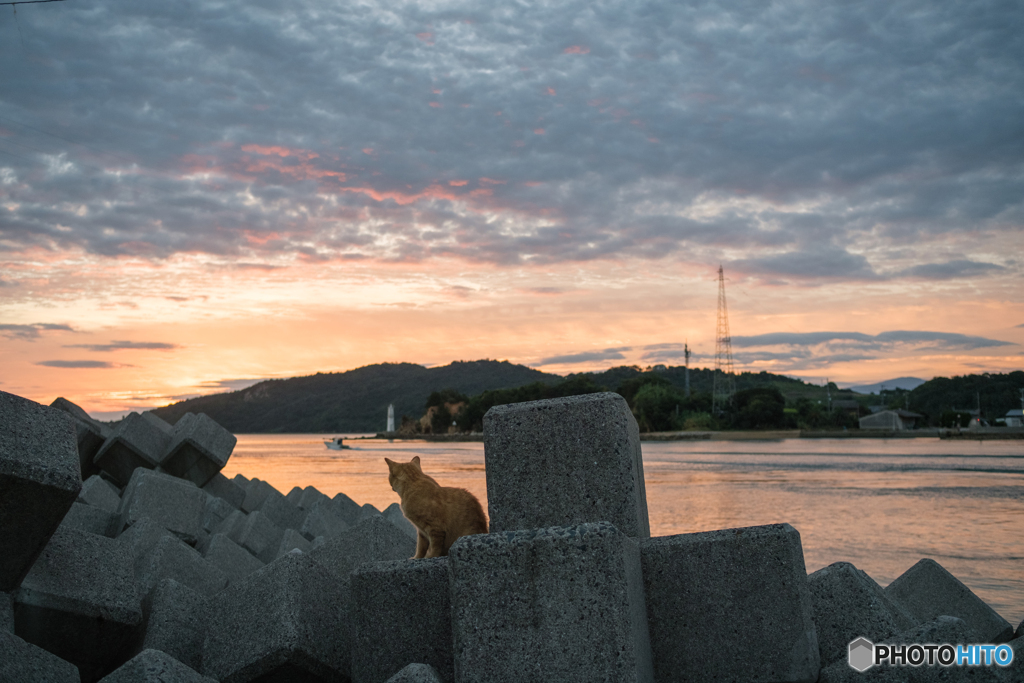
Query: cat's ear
point(391, 464)
point(416, 461)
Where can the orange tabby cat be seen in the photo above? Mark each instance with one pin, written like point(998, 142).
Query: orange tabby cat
point(440, 514)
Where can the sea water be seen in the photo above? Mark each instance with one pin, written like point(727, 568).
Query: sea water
point(881, 504)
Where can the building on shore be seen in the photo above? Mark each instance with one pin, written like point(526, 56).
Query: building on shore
point(892, 420)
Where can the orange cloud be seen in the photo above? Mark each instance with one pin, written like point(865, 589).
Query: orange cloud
point(275, 150)
point(457, 183)
point(302, 171)
point(576, 50)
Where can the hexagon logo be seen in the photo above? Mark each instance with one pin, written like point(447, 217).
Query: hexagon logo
point(862, 654)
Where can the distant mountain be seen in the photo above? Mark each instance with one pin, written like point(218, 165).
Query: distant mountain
point(907, 383)
point(357, 401)
point(354, 401)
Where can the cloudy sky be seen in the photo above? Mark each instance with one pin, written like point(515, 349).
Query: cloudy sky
point(197, 195)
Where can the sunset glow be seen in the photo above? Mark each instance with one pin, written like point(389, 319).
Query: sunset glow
point(187, 209)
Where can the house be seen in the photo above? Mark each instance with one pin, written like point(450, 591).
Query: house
point(892, 420)
point(1014, 418)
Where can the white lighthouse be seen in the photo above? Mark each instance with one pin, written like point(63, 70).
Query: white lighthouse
point(391, 418)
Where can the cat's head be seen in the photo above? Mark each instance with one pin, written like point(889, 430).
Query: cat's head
point(402, 471)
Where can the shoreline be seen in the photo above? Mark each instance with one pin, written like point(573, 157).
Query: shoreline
point(993, 433)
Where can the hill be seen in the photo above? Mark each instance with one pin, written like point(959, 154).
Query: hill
point(907, 383)
point(357, 401)
point(993, 393)
point(354, 401)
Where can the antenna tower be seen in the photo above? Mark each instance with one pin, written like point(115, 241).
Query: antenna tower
point(724, 380)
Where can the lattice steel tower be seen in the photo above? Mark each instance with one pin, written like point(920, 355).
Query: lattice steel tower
point(724, 385)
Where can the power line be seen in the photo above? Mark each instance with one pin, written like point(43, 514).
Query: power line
point(28, 2)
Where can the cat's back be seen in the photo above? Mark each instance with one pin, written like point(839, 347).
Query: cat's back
point(465, 514)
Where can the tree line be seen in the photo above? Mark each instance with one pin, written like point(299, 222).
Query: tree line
point(659, 401)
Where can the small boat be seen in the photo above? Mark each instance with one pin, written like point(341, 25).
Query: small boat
point(335, 444)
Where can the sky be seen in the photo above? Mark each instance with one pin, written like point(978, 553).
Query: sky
point(195, 196)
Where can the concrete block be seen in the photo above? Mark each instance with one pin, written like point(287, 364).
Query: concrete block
point(91, 519)
point(416, 673)
point(260, 536)
point(1015, 672)
point(175, 504)
point(281, 511)
point(171, 558)
point(6, 613)
point(294, 495)
point(232, 525)
point(394, 514)
point(225, 489)
point(285, 622)
point(100, 493)
point(232, 559)
point(175, 618)
point(324, 519)
point(1019, 633)
point(555, 604)
point(140, 539)
point(241, 480)
point(80, 602)
point(938, 631)
point(158, 422)
point(848, 604)
point(154, 666)
point(347, 508)
point(199, 449)
point(91, 435)
point(293, 540)
point(565, 461)
point(215, 511)
point(256, 492)
point(311, 496)
point(134, 442)
point(730, 605)
point(39, 480)
point(23, 661)
point(401, 615)
point(368, 510)
point(373, 540)
point(927, 591)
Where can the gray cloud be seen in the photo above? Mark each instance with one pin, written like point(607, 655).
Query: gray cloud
point(123, 345)
point(586, 357)
point(952, 269)
point(232, 384)
point(78, 364)
point(31, 332)
point(948, 340)
point(524, 133)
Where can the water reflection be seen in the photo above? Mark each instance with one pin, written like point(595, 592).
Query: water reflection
point(882, 505)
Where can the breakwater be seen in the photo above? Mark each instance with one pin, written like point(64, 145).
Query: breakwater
point(573, 565)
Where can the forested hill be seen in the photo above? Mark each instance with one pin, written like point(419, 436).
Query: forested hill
point(354, 401)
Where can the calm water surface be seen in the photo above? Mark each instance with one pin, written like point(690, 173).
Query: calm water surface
point(880, 504)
